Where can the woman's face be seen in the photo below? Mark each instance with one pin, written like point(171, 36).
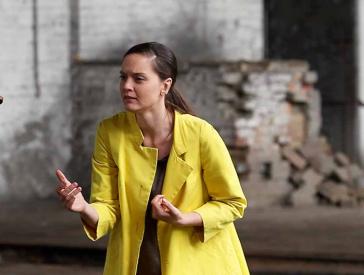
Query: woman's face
point(140, 85)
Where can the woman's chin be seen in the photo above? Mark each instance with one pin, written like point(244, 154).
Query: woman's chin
point(131, 108)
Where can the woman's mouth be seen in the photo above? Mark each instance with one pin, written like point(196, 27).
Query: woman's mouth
point(129, 98)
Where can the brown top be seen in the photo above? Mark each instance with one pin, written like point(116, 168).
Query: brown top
point(149, 258)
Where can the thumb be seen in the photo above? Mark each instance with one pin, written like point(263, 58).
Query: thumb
point(168, 206)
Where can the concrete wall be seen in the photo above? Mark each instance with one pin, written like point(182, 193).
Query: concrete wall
point(52, 105)
point(34, 81)
point(203, 29)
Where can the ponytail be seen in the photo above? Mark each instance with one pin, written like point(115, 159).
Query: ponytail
point(176, 102)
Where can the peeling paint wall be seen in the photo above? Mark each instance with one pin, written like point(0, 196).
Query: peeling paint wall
point(35, 84)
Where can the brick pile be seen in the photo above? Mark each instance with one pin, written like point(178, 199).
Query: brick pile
point(278, 149)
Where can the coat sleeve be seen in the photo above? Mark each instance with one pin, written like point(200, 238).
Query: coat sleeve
point(227, 201)
point(104, 187)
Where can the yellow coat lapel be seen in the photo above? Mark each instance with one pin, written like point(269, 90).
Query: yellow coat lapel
point(177, 168)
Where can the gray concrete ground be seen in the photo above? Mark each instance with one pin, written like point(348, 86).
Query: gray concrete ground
point(275, 240)
point(40, 269)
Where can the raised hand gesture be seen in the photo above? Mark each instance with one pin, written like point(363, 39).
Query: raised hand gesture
point(70, 193)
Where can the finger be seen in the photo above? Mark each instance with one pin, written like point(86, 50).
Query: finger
point(157, 210)
point(62, 178)
point(73, 193)
point(69, 189)
point(60, 188)
point(169, 206)
point(157, 198)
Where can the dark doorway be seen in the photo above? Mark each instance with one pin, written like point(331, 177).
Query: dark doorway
point(323, 33)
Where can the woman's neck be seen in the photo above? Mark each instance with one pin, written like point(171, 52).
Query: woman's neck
point(156, 126)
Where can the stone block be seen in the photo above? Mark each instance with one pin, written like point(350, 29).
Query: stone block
point(296, 128)
point(355, 171)
point(241, 142)
point(280, 77)
point(303, 197)
point(310, 149)
point(342, 159)
point(296, 178)
point(314, 119)
point(310, 77)
point(226, 94)
point(280, 170)
point(311, 177)
point(288, 66)
point(248, 67)
point(232, 78)
point(300, 97)
point(323, 164)
point(342, 173)
point(257, 78)
point(334, 192)
point(294, 158)
point(294, 87)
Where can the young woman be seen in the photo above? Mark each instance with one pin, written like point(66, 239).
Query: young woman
point(163, 183)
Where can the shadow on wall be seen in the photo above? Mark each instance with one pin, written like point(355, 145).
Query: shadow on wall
point(28, 170)
point(191, 41)
point(187, 35)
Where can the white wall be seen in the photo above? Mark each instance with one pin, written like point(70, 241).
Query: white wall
point(34, 129)
point(203, 29)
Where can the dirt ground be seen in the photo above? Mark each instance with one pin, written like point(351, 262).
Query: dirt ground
point(310, 240)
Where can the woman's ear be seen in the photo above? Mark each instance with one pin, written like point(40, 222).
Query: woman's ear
point(167, 83)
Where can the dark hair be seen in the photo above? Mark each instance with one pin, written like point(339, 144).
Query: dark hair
point(165, 65)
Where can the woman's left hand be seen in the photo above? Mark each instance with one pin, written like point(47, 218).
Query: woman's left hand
point(163, 210)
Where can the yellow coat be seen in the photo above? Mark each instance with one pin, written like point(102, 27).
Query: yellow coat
point(200, 177)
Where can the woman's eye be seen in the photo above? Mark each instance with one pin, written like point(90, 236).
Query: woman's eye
point(139, 79)
point(122, 77)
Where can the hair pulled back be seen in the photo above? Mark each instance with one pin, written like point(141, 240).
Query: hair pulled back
point(165, 65)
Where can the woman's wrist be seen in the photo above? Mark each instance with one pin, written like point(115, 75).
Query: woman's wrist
point(89, 215)
point(85, 211)
point(190, 219)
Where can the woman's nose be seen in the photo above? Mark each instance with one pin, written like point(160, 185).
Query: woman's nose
point(126, 84)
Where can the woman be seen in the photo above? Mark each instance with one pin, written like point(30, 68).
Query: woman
point(163, 183)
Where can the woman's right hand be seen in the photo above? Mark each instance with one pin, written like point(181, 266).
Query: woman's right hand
point(70, 194)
